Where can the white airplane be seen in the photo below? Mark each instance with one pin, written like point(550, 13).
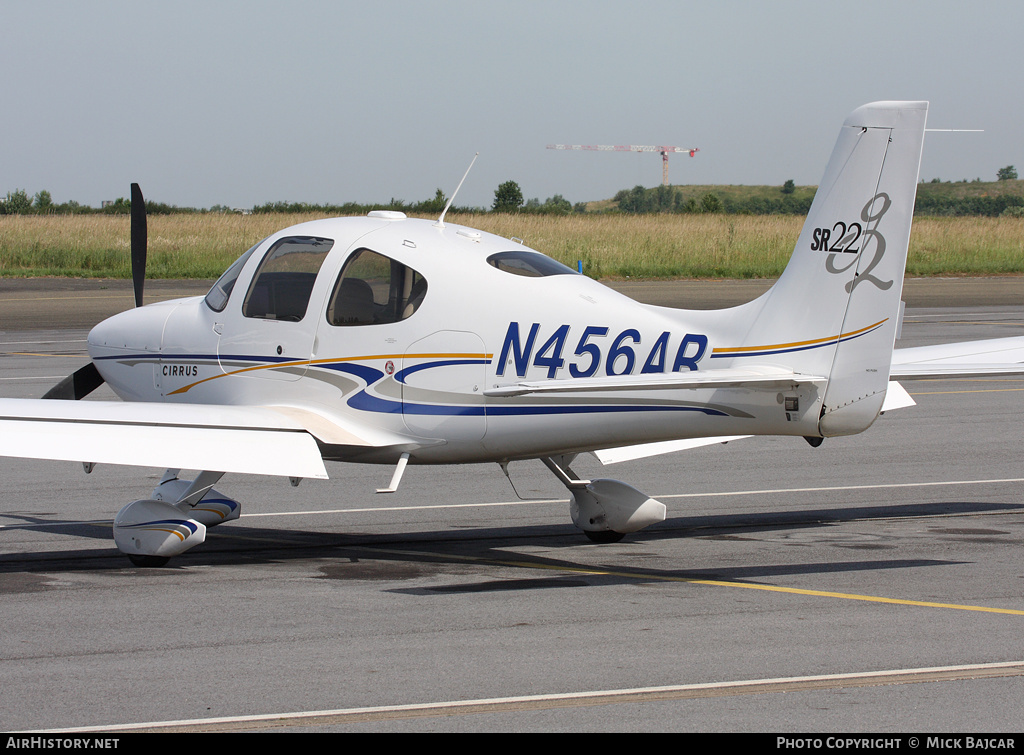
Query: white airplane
point(392, 340)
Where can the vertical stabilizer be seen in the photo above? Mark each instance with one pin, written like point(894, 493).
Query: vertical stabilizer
point(835, 309)
point(860, 369)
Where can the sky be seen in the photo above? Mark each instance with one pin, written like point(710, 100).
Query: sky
point(231, 103)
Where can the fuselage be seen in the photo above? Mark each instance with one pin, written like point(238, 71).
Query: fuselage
point(402, 324)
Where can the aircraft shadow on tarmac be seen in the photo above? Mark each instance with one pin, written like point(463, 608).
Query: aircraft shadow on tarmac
point(403, 556)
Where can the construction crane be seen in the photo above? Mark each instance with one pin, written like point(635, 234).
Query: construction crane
point(633, 148)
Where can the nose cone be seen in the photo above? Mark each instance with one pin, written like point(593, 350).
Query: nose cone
point(126, 350)
point(135, 331)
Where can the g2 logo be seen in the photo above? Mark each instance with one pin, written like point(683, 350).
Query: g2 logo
point(872, 233)
point(846, 236)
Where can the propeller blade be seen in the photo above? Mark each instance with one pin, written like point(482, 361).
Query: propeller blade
point(138, 243)
point(78, 384)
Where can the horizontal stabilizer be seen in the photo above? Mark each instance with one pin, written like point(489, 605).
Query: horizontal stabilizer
point(749, 377)
point(994, 356)
point(896, 397)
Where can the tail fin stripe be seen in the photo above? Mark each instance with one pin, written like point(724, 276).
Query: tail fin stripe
point(783, 348)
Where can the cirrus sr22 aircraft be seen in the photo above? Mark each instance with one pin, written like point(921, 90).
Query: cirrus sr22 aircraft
point(392, 340)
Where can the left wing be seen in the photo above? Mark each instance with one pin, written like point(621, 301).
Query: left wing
point(253, 440)
point(283, 441)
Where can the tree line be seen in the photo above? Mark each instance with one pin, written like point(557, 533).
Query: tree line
point(18, 202)
point(1005, 197)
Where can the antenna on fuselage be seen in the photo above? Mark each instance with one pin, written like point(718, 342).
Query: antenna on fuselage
point(440, 220)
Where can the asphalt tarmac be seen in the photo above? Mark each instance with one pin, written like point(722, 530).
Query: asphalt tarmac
point(873, 584)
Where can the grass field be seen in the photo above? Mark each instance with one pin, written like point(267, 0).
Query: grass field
point(610, 246)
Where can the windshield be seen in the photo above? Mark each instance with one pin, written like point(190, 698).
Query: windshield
point(217, 299)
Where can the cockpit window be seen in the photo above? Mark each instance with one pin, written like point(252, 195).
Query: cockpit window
point(282, 285)
point(373, 289)
point(217, 299)
point(530, 264)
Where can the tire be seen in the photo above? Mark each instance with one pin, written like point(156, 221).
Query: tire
point(147, 562)
point(604, 536)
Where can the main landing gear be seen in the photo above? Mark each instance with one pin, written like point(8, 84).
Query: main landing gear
point(173, 520)
point(606, 510)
